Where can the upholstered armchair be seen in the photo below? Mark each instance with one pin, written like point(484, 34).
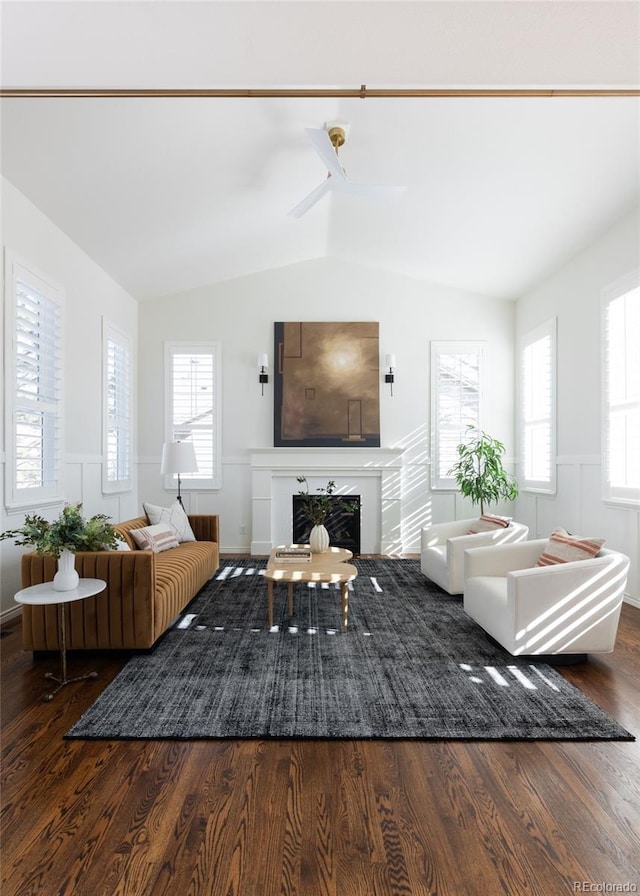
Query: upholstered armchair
point(566, 608)
point(443, 546)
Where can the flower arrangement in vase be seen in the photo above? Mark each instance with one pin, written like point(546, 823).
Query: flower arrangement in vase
point(64, 537)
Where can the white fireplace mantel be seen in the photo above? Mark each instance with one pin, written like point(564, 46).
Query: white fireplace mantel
point(373, 473)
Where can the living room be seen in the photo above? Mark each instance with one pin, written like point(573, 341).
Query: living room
point(334, 279)
point(323, 276)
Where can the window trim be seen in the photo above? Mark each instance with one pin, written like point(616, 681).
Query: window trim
point(16, 268)
point(112, 333)
point(625, 496)
point(451, 347)
point(536, 486)
point(188, 482)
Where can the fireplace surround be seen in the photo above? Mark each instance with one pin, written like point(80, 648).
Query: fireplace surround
point(373, 473)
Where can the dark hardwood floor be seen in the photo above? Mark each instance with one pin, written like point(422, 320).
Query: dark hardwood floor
point(351, 818)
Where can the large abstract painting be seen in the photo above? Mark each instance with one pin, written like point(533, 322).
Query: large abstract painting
point(326, 384)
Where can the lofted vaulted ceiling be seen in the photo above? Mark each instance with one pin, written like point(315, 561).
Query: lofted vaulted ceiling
point(167, 193)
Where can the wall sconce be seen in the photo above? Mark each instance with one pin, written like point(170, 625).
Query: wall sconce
point(263, 364)
point(177, 458)
point(390, 362)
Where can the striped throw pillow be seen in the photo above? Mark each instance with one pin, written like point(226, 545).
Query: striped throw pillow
point(487, 522)
point(564, 548)
point(158, 538)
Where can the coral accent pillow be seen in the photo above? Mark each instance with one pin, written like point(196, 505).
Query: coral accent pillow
point(487, 522)
point(564, 548)
point(156, 538)
point(174, 516)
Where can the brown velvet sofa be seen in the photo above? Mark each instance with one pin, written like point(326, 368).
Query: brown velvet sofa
point(145, 591)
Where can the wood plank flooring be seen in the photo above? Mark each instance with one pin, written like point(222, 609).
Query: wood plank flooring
point(326, 818)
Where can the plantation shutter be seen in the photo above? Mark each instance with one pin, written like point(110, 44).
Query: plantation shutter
point(537, 409)
point(117, 411)
point(621, 424)
point(455, 403)
point(194, 408)
point(34, 387)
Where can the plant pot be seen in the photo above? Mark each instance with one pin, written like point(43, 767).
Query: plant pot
point(66, 578)
point(319, 540)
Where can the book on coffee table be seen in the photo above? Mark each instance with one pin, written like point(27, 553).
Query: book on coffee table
point(292, 555)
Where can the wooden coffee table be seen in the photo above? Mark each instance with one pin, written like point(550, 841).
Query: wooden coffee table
point(329, 566)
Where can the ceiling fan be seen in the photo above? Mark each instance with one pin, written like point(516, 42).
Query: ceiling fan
point(326, 142)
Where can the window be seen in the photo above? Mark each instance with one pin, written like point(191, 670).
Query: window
point(193, 412)
point(538, 409)
point(621, 391)
point(116, 466)
point(33, 398)
point(456, 371)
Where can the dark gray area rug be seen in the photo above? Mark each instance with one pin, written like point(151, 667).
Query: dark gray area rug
point(412, 665)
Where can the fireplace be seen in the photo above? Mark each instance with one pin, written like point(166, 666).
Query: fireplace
point(342, 525)
point(373, 473)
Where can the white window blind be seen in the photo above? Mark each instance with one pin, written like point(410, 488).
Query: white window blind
point(33, 386)
point(116, 476)
point(537, 409)
point(193, 413)
point(456, 372)
point(621, 391)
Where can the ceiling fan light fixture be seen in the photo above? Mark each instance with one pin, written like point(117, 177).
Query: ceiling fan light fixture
point(326, 142)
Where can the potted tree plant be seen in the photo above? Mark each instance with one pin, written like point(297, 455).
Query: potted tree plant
point(63, 537)
point(479, 472)
point(317, 508)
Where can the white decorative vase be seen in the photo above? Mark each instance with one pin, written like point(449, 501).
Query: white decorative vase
point(66, 579)
point(319, 540)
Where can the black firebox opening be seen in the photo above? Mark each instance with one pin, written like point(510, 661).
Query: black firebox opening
point(342, 525)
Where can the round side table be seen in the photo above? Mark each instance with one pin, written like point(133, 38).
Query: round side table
point(44, 595)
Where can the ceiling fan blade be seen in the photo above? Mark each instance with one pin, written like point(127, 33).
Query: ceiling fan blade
point(323, 146)
point(312, 198)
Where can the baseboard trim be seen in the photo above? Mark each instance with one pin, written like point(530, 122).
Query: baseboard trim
point(10, 615)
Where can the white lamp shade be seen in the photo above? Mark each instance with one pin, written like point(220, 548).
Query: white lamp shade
point(263, 360)
point(390, 361)
point(178, 457)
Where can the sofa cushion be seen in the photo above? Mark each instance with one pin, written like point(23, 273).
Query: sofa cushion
point(487, 522)
point(174, 516)
point(157, 538)
point(565, 548)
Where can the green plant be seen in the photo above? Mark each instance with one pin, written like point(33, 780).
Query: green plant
point(69, 532)
point(479, 471)
point(316, 508)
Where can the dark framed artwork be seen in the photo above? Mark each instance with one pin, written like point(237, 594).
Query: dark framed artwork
point(326, 385)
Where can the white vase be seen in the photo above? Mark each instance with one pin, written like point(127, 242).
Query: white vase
point(66, 578)
point(319, 540)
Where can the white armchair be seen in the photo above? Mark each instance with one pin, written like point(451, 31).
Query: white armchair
point(567, 608)
point(443, 546)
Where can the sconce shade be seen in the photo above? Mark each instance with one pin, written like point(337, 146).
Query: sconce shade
point(263, 360)
point(177, 458)
point(390, 361)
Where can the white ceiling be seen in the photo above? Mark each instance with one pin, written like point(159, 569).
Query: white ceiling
point(172, 193)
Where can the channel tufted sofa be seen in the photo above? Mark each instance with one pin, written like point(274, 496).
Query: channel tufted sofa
point(145, 591)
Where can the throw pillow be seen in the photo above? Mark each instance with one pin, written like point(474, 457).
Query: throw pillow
point(174, 516)
point(564, 548)
point(487, 522)
point(157, 538)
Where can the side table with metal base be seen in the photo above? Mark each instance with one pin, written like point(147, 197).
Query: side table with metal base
point(45, 594)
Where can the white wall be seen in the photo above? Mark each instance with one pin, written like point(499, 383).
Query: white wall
point(240, 314)
point(573, 294)
point(89, 294)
